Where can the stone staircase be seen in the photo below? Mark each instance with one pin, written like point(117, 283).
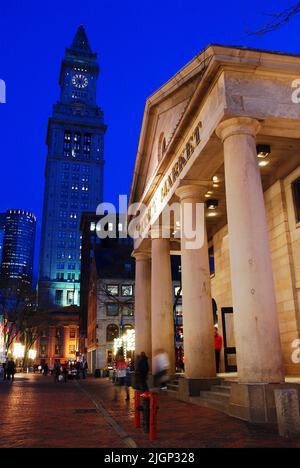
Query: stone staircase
point(216, 398)
point(173, 386)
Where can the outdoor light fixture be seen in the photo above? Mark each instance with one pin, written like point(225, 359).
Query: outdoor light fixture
point(32, 354)
point(212, 214)
point(215, 179)
point(212, 204)
point(19, 351)
point(263, 151)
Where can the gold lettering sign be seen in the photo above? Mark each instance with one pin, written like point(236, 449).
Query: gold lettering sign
point(172, 175)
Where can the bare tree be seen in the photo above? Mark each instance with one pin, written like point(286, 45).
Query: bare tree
point(31, 324)
point(278, 19)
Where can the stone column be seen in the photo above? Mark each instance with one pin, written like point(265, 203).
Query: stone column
point(259, 356)
point(198, 324)
point(162, 320)
point(142, 303)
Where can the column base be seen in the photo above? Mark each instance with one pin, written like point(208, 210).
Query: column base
point(255, 403)
point(192, 387)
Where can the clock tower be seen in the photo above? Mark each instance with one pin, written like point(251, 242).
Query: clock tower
point(73, 174)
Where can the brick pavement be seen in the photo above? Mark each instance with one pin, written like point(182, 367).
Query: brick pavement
point(36, 412)
point(184, 425)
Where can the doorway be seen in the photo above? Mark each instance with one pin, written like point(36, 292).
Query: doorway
point(229, 339)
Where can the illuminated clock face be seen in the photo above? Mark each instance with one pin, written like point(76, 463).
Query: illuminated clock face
point(80, 81)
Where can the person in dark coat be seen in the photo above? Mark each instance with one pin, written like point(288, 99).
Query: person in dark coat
point(142, 371)
point(10, 371)
point(46, 370)
point(4, 365)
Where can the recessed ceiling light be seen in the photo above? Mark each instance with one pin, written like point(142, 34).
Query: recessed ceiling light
point(215, 179)
point(263, 151)
point(212, 214)
point(263, 163)
point(212, 204)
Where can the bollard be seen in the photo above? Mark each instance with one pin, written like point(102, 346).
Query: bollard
point(146, 411)
point(137, 404)
point(153, 417)
point(147, 404)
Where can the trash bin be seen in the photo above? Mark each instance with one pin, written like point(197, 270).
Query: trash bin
point(97, 374)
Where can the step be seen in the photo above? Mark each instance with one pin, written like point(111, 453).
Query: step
point(211, 404)
point(221, 389)
point(172, 386)
point(226, 383)
point(172, 393)
point(215, 396)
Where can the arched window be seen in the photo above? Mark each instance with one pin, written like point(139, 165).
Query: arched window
point(112, 332)
point(162, 146)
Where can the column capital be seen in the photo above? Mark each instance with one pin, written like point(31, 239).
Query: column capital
point(238, 126)
point(140, 255)
point(192, 191)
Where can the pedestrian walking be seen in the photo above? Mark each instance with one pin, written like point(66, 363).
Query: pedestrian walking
point(218, 347)
point(46, 370)
point(78, 368)
point(128, 381)
point(121, 375)
point(4, 365)
point(85, 369)
point(11, 370)
point(65, 371)
point(161, 365)
point(57, 372)
point(142, 371)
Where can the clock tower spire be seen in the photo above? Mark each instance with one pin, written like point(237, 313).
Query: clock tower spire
point(79, 71)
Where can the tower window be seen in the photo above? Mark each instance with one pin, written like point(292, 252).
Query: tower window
point(58, 296)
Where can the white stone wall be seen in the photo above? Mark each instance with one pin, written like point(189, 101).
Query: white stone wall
point(284, 235)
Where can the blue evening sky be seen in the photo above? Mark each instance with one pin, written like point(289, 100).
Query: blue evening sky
point(140, 45)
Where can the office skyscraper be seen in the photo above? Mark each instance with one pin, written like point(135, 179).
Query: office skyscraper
point(73, 175)
point(17, 252)
point(2, 227)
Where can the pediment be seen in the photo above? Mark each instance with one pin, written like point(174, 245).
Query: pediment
point(163, 113)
